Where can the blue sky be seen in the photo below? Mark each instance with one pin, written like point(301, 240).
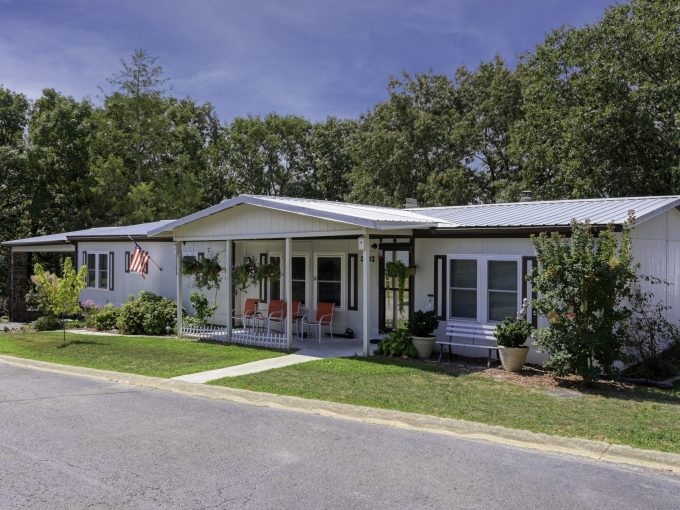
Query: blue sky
point(308, 57)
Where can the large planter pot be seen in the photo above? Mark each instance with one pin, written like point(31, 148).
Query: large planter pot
point(513, 358)
point(424, 346)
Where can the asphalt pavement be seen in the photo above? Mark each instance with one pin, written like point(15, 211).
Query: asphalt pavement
point(73, 442)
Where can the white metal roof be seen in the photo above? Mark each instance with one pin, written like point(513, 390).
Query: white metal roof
point(369, 216)
point(599, 211)
point(138, 230)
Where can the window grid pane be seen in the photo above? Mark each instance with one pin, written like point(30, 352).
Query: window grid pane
point(329, 280)
point(91, 270)
point(103, 271)
point(463, 289)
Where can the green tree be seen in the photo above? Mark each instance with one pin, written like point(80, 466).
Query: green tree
point(600, 106)
point(330, 147)
point(14, 112)
point(491, 103)
point(153, 156)
point(404, 140)
point(583, 282)
point(60, 296)
point(271, 155)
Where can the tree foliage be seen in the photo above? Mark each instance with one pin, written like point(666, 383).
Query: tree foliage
point(583, 282)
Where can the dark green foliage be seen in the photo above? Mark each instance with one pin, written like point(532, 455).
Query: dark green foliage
point(147, 314)
point(583, 283)
point(105, 318)
point(206, 271)
point(397, 343)
point(46, 323)
point(204, 310)
point(423, 323)
point(651, 342)
point(513, 332)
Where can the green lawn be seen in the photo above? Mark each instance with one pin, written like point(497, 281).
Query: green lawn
point(161, 357)
point(644, 418)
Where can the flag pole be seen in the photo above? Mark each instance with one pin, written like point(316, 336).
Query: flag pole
point(150, 258)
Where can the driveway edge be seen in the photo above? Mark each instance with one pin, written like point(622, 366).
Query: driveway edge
point(595, 450)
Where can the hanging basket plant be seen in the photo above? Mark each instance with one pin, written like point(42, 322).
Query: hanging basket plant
point(401, 272)
point(206, 271)
point(267, 272)
point(243, 273)
point(250, 272)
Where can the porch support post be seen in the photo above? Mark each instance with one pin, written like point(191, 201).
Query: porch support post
point(288, 285)
point(179, 296)
point(366, 295)
point(230, 306)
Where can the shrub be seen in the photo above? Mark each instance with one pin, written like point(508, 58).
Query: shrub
point(423, 323)
point(583, 282)
point(648, 337)
point(148, 314)
point(46, 323)
point(105, 318)
point(397, 343)
point(88, 310)
point(204, 310)
point(512, 332)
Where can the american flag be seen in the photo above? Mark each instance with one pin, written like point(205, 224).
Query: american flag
point(139, 262)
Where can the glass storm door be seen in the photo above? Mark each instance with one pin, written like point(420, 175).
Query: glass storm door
point(391, 317)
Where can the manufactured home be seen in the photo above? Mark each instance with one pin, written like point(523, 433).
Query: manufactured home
point(468, 263)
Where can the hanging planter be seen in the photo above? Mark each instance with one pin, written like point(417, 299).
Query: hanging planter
point(266, 272)
point(205, 271)
point(250, 272)
point(401, 272)
point(243, 274)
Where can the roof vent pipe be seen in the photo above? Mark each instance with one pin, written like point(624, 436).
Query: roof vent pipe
point(526, 196)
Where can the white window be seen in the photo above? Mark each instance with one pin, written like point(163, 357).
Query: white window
point(484, 288)
point(502, 286)
point(329, 275)
point(98, 270)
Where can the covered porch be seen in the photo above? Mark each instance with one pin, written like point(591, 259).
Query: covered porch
point(327, 253)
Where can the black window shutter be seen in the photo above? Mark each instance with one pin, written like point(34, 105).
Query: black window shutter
point(87, 276)
point(440, 286)
point(264, 284)
point(111, 273)
point(353, 281)
point(127, 262)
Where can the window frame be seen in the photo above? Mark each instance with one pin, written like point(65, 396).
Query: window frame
point(343, 278)
point(282, 288)
point(97, 280)
point(482, 284)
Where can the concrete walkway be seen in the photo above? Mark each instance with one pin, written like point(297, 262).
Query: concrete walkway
point(308, 351)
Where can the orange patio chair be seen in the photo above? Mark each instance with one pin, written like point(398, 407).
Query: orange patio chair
point(324, 317)
point(249, 312)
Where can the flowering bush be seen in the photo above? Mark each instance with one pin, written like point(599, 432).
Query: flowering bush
point(583, 283)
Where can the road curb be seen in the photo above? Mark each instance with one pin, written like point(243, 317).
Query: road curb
point(595, 450)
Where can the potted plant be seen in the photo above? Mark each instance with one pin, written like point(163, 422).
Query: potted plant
point(397, 343)
point(422, 325)
point(511, 336)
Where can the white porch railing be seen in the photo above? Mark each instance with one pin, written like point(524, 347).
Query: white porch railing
point(246, 336)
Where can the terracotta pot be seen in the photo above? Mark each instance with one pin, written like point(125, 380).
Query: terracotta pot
point(513, 358)
point(424, 346)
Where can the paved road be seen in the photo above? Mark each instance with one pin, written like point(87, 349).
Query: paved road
point(69, 442)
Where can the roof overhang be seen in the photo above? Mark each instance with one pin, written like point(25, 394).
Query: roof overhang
point(348, 216)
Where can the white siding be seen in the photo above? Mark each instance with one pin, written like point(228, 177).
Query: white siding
point(159, 282)
point(247, 221)
point(426, 249)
